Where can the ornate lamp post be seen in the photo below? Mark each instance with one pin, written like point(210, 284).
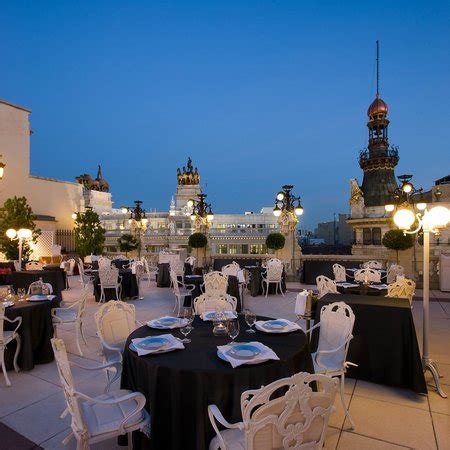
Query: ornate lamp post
point(19, 235)
point(138, 221)
point(287, 208)
point(413, 217)
point(202, 214)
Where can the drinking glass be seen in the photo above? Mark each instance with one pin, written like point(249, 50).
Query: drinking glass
point(189, 315)
point(21, 294)
point(10, 292)
point(233, 329)
point(250, 319)
point(185, 331)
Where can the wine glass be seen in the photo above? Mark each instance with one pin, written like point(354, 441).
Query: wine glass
point(10, 292)
point(250, 319)
point(21, 294)
point(189, 315)
point(233, 329)
point(185, 331)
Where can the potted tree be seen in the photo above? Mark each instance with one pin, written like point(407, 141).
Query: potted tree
point(275, 241)
point(127, 243)
point(89, 233)
point(198, 240)
point(397, 240)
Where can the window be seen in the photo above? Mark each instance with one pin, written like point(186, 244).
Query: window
point(232, 249)
point(367, 236)
point(376, 236)
point(222, 249)
point(244, 249)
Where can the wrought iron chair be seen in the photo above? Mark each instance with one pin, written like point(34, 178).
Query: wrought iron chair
point(368, 275)
point(110, 279)
point(372, 265)
point(402, 288)
point(339, 272)
point(273, 275)
point(297, 419)
point(326, 285)
point(207, 302)
point(180, 290)
point(5, 338)
point(393, 272)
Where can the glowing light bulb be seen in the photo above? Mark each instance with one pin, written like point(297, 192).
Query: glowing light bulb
point(404, 218)
point(389, 208)
point(11, 233)
point(437, 217)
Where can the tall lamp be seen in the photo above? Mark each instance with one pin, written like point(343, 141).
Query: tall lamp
point(202, 214)
point(19, 235)
point(412, 217)
point(138, 220)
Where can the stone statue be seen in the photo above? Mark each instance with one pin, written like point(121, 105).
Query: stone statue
point(188, 175)
point(356, 200)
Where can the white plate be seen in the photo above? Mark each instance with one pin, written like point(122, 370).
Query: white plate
point(244, 352)
point(8, 304)
point(40, 298)
point(275, 324)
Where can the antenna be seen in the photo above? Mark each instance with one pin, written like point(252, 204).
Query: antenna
point(378, 69)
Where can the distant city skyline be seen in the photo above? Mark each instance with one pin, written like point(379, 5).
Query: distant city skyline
point(258, 95)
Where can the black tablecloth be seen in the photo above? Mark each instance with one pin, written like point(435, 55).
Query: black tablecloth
point(219, 263)
point(197, 281)
point(59, 269)
point(163, 277)
point(180, 385)
point(56, 278)
point(6, 278)
point(312, 269)
point(129, 286)
point(256, 287)
point(362, 290)
point(385, 343)
point(35, 331)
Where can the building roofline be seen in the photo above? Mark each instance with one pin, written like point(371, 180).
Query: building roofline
point(54, 180)
point(15, 106)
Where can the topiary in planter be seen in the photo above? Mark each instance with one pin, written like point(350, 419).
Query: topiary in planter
point(275, 241)
point(397, 240)
point(198, 240)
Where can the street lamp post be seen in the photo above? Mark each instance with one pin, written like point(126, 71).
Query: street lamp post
point(407, 214)
point(202, 214)
point(19, 235)
point(287, 208)
point(138, 221)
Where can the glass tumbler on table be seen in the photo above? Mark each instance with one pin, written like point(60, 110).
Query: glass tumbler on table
point(21, 294)
point(233, 329)
point(250, 319)
point(185, 331)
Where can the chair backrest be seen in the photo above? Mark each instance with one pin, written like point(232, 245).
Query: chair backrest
point(336, 327)
point(120, 258)
point(34, 265)
point(168, 258)
point(2, 321)
point(177, 266)
point(298, 419)
point(108, 275)
point(231, 269)
point(368, 275)
point(104, 262)
point(190, 260)
point(274, 272)
point(115, 321)
point(55, 250)
point(215, 283)
point(394, 271)
point(372, 265)
point(39, 284)
point(339, 273)
point(83, 300)
point(147, 267)
point(326, 285)
point(273, 261)
point(175, 283)
point(138, 268)
point(402, 288)
point(207, 302)
point(65, 375)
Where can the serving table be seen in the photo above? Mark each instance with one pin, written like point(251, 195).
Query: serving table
point(23, 279)
point(384, 344)
point(180, 385)
point(130, 287)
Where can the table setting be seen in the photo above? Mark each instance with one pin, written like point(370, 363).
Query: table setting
point(175, 375)
point(355, 288)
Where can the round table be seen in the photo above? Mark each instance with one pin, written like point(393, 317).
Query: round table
point(362, 289)
point(130, 287)
point(35, 331)
point(256, 286)
point(180, 385)
point(56, 278)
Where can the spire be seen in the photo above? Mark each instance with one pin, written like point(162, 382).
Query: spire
point(378, 69)
point(99, 173)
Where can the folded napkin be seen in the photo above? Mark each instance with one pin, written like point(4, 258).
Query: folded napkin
point(157, 324)
point(265, 355)
point(228, 315)
point(378, 286)
point(290, 326)
point(174, 344)
point(347, 285)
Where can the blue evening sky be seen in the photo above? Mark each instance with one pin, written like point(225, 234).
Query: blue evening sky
point(258, 93)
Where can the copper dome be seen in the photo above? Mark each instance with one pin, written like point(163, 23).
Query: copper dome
point(378, 106)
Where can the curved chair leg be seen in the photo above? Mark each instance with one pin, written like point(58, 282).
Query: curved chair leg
point(281, 289)
point(77, 338)
point(344, 405)
point(2, 362)
point(82, 334)
point(16, 355)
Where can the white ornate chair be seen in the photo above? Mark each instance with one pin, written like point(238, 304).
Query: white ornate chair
point(72, 314)
point(372, 265)
point(369, 275)
point(231, 269)
point(5, 338)
point(85, 279)
point(402, 288)
point(336, 327)
point(339, 273)
point(273, 275)
point(110, 279)
point(207, 302)
point(191, 260)
point(34, 265)
point(326, 285)
point(298, 419)
point(115, 321)
point(96, 419)
point(39, 284)
point(180, 290)
point(104, 263)
point(215, 283)
point(394, 271)
point(272, 261)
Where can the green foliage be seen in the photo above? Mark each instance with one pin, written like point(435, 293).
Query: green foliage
point(16, 213)
point(198, 240)
point(398, 240)
point(275, 241)
point(89, 233)
point(127, 243)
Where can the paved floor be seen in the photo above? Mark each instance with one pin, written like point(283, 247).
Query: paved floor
point(386, 418)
